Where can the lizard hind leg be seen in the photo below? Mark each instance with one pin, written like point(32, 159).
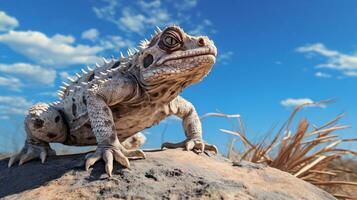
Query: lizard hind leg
point(43, 124)
point(134, 141)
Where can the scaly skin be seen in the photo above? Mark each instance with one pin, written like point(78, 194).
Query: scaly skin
point(110, 105)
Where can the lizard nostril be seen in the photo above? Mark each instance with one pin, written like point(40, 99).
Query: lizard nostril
point(201, 42)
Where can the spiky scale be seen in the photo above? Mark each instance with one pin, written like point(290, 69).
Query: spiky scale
point(65, 84)
point(105, 60)
point(122, 55)
point(97, 65)
point(102, 73)
point(79, 76)
point(158, 29)
point(129, 52)
point(63, 88)
point(71, 79)
point(90, 69)
point(84, 71)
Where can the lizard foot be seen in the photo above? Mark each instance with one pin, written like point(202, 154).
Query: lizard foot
point(108, 154)
point(30, 152)
point(191, 144)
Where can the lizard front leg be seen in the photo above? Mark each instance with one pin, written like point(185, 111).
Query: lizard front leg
point(192, 126)
point(108, 146)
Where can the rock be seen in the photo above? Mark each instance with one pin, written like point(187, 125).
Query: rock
point(169, 174)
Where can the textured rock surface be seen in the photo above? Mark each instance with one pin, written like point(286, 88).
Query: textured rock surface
point(170, 174)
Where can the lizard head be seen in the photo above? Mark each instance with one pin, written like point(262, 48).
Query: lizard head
point(173, 55)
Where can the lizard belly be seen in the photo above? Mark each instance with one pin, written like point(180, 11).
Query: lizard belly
point(135, 120)
point(128, 121)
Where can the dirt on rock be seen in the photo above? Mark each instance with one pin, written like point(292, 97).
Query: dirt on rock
point(169, 174)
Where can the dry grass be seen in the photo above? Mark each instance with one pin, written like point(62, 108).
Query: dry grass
point(311, 153)
point(346, 171)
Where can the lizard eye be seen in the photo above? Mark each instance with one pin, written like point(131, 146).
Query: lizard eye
point(170, 40)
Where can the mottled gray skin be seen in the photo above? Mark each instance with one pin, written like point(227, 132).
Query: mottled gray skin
point(110, 105)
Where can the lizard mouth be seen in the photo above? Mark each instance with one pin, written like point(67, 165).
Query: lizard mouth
point(189, 54)
point(181, 63)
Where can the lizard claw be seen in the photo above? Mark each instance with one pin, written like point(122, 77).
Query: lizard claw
point(134, 153)
point(30, 152)
point(92, 158)
point(192, 144)
point(211, 147)
point(108, 159)
point(109, 154)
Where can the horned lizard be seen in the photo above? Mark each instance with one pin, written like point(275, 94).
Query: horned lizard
point(108, 106)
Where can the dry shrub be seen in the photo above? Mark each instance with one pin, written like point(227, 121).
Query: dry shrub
point(311, 153)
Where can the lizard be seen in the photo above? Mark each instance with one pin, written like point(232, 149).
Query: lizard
point(108, 105)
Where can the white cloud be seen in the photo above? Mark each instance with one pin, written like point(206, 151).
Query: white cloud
point(14, 105)
point(107, 12)
point(32, 73)
point(224, 57)
point(345, 63)
point(8, 110)
point(141, 16)
point(139, 21)
point(55, 51)
point(322, 75)
point(318, 48)
point(150, 5)
point(10, 83)
point(186, 4)
point(7, 22)
point(201, 28)
point(350, 73)
point(90, 34)
point(116, 43)
point(65, 39)
point(132, 22)
point(290, 102)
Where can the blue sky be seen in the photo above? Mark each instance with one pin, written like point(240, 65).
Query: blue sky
point(272, 56)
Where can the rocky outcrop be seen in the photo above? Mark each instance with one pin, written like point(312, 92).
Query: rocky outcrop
point(169, 174)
